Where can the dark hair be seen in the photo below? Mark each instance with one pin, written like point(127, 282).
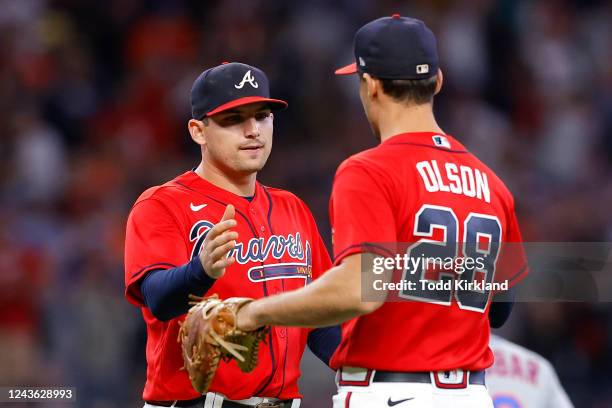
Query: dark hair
point(417, 91)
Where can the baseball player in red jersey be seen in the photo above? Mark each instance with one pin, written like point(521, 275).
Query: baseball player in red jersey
point(419, 186)
point(216, 230)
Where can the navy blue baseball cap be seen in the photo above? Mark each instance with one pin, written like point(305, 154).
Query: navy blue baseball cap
point(229, 85)
point(394, 48)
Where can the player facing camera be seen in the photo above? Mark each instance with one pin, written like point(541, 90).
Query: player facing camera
point(214, 235)
point(239, 139)
point(232, 119)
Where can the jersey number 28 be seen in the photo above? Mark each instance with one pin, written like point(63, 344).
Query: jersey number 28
point(477, 228)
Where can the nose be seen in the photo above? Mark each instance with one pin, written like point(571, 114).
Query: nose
point(251, 128)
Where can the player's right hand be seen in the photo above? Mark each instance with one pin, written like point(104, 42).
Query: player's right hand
point(217, 244)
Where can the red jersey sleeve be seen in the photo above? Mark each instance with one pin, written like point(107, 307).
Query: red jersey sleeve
point(153, 241)
point(360, 213)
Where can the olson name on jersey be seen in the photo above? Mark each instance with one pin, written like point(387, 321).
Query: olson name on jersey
point(455, 179)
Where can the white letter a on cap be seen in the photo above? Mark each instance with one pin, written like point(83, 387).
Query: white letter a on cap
point(247, 78)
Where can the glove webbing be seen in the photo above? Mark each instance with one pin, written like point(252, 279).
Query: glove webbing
point(206, 310)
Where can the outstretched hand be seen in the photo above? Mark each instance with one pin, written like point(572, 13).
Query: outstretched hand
point(218, 243)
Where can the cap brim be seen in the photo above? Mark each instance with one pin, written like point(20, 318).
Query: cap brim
point(275, 104)
point(348, 70)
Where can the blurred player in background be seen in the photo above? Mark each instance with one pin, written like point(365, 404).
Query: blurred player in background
point(216, 230)
point(521, 378)
point(418, 186)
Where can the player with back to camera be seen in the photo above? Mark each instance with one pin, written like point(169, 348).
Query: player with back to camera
point(421, 186)
point(216, 230)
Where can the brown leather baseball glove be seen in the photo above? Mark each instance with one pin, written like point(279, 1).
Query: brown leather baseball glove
point(209, 335)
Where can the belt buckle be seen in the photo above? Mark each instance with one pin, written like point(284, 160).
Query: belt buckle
point(451, 379)
point(269, 405)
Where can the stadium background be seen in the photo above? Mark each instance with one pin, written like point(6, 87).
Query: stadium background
point(93, 110)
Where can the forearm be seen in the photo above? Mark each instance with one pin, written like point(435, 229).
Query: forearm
point(329, 300)
point(315, 305)
point(166, 292)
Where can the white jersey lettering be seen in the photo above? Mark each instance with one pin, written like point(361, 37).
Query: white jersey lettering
point(462, 180)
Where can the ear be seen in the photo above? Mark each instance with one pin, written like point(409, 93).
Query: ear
point(196, 130)
point(439, 81)
point(372, 86)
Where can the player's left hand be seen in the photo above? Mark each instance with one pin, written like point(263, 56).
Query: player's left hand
point(209, 334)
point(219, 241)
point(245, 318)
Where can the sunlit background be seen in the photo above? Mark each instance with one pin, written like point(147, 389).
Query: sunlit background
point(94, 100)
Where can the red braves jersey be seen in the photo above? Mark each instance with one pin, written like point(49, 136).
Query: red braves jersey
point(427, 190)
point(279, 249)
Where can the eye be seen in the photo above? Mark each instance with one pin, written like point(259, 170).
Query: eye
point(232, 119)
point(259, 116)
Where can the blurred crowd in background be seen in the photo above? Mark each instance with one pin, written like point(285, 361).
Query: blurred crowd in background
point(94, 101)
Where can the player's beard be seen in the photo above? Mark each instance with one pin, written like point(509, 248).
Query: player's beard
point(247, 167)
point(254, 164)
point(233, 161)
point(243, 164)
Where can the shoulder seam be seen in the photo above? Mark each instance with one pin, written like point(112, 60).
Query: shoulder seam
point(152, 198)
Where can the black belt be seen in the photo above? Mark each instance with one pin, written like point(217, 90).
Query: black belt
point(200, 400)
point(280, 404)
point(475, 377)
point(183, 403)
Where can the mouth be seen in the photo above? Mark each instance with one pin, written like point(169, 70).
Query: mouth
point(251, 148)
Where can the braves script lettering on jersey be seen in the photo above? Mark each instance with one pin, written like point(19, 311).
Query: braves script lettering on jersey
point(278, 249)
point(520, 378)
point(397, 192)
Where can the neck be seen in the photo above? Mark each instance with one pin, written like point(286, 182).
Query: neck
point(242, 185)
point(396, 118)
